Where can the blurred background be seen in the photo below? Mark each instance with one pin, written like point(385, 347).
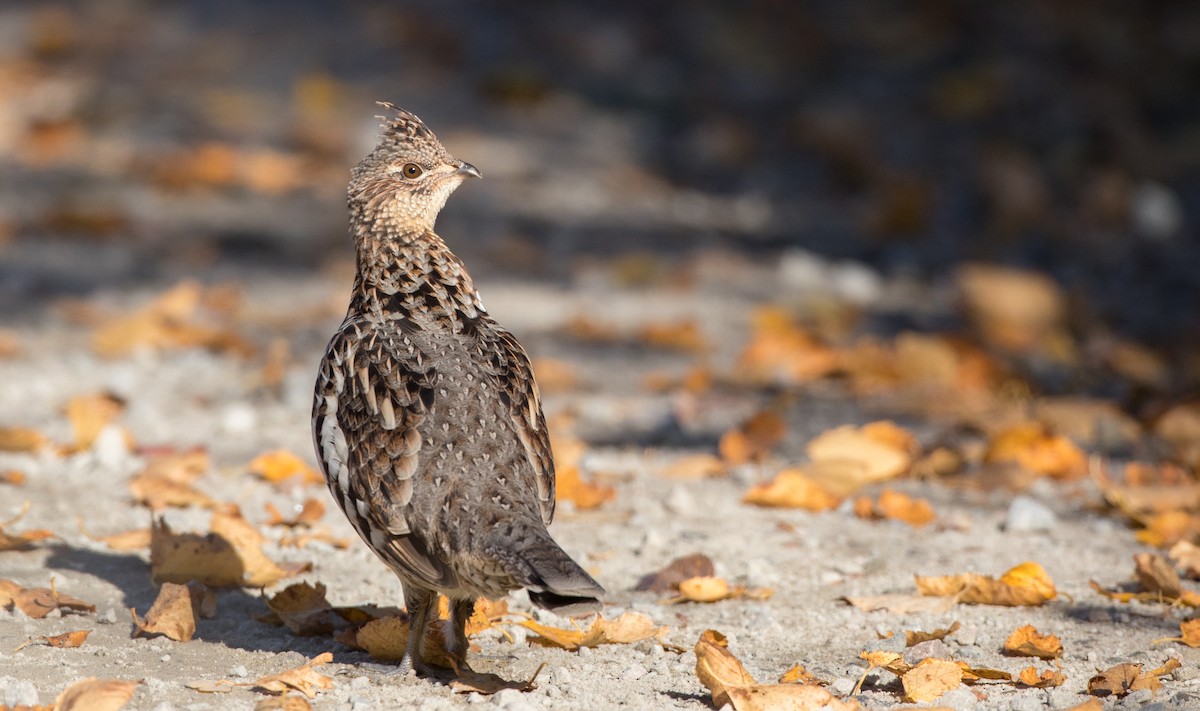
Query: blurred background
point(874, 143)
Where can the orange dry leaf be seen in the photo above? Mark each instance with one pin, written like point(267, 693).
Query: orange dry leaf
point(569, 483)
point(167, 480)
point(792, 488)
point(729, 683)
point(68, 640)
point(13, 477)
point(385, 638)
point(302, 607)
point(170, 321)
point(39, 602)
point(95, 695)
point(307, 514)
point(1124, 679)
point(290, 702)
point(281, 465)
point(22, 439)
point(1035, 448)
point(304, 678)
point(712, 589)
point(89, 414)
point(678, 570)
point(628, 628)
point(930, 679)
point(683, 335)
point(1028, 642)
point(21, 541)
point(901, 604)
point(799, 675)
point(136, 539)
point(913, 637)
point(897, 506)
point(880, 450)
point(1168, 528)
point(1049, 678)
point(779, 351)
point(752, 439)
point(1026, 584)
point(695, 466)
point(1013, 309)
point(176, 611)
point(1189, 631)
point(1186, 555)
point(1151, 489)
point(230, 555)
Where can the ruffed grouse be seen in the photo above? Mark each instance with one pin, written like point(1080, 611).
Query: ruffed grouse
point(426, 418)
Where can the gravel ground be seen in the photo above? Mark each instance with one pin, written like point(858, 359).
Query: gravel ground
point(811, 560)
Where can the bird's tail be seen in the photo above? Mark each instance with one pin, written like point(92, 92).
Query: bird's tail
point(555, 581)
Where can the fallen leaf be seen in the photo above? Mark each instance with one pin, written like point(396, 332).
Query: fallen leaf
point(68, 640)
point(1186, 555)
point(291, 702)
point(799, 675)
point(1092, 704)
point(1025, 584)
point(89, 414)
point(1157, 576)
point(385, 638)
point(21, 541)
point(973, 675)
point(901, 604)
point(628, 628)
point(781, 352)
point(469, 681)
point(172, 320)
point(1150, 489)
point(12, 477)
point(753, 438)
point(678, 570)
point(569, 483)
point(38, 602)
point(791, 488)
point(1047, 679)
point(1123, 679)
point(95, 695)
point(281, 465)
point(717, 668)
point(1028, 642)
point(1168, 528)
point(912, 637)
point(1189, 631)
point(136, 539)
point(1013, 309)
point(176, 610)
point(1035, 448)
point(23, 439)
point(695, 466)
point(230, 555)
point(220, 686)
point(167, 480)
point(897, 506)
point(884, 450)
point(930, 679)
point(302, 607)
point(304, 678)
point(713, 589)
point(308, 513)
point(685, 335)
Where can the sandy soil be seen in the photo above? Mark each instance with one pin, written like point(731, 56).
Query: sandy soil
point(810, 560)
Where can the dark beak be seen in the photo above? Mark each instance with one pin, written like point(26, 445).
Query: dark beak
point(467, 170)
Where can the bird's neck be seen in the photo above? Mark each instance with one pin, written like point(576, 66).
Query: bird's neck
point(405, 272)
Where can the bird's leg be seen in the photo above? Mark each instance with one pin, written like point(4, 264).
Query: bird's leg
point(419, 604)
point(460, 612)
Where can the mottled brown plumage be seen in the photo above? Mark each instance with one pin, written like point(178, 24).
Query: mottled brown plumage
point(426, 417)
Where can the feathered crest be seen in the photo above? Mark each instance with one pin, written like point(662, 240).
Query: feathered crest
point(404, 127)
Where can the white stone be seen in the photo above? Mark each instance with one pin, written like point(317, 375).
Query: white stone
point(1026, 514)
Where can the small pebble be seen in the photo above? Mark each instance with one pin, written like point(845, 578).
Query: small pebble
point(679, 500)
point(1029, 701)
point(842, 685)
point(361, 703)
point(165, 658)
point(20, 692)
point(960, 698)
point(108, 617)
point(239, 671)
point(1026, 514)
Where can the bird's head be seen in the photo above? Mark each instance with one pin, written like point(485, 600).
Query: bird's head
point(406, 180)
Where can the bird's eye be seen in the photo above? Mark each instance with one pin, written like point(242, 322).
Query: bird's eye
point(411, 170)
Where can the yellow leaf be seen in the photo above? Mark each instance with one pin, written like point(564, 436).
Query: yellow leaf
point(1036, 449)
point(95, 695)
point(68, 640)
point(704, 589)
point(176, 610)
point(1025, 584)
point(230, 555)
point(752, 439)
point(89, 414)
point(913, 637)
point(791, 488)
point(629, 627)
point(930, 679)
point(884, 450)
point(281, 465)
point(717, 668)
point(22, 439)
point(304, 678)
point(1028, 642)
